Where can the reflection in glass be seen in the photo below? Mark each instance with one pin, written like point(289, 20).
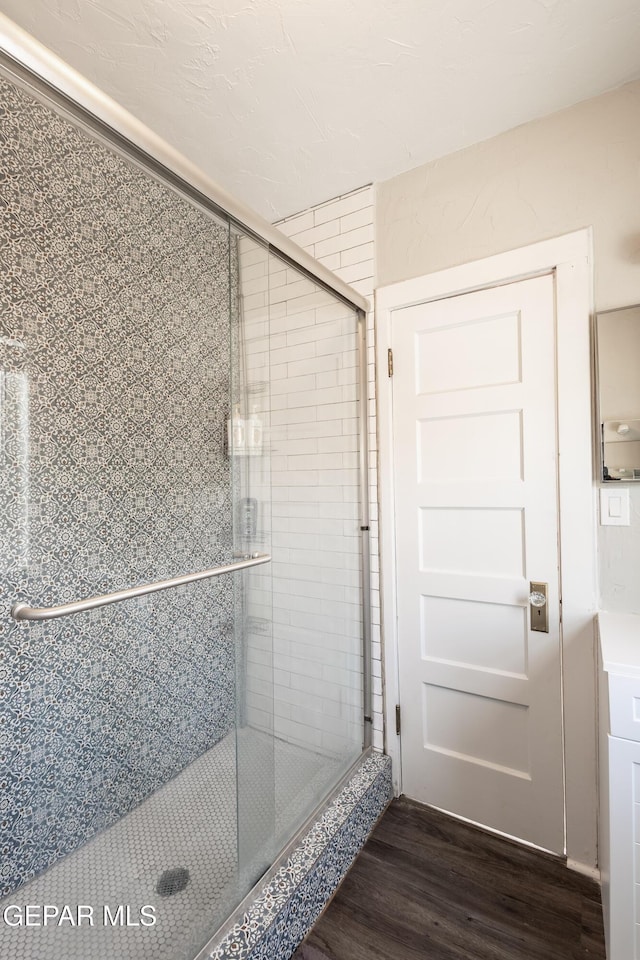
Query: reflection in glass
point(14, 459)
point(618, 360)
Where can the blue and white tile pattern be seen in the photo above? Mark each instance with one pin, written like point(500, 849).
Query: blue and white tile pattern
point(290, 903)
point(114, 387)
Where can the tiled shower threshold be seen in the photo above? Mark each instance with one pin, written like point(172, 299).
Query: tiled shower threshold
point(282, 908)
point(189, 825)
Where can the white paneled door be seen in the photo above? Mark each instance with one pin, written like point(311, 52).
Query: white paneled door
point(474, 424)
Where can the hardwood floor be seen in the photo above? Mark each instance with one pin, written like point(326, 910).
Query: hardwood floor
point(428, 887)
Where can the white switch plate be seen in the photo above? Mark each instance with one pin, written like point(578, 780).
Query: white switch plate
point(614, 506)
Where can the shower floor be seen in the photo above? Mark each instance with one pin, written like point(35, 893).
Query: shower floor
point(189, 824)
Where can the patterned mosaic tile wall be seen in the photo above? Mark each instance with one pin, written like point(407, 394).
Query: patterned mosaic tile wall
point(114, 368)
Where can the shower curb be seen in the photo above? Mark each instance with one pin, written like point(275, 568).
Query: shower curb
point(288, 905)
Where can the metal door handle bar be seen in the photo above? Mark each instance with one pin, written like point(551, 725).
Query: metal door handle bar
point(22, 611)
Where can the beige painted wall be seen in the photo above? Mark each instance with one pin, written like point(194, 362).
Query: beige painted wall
point(573, 169)
point(576, 168)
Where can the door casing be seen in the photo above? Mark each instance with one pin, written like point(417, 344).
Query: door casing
point(570, 259)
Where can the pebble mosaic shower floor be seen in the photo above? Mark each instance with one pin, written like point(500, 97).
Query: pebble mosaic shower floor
point(190, 824)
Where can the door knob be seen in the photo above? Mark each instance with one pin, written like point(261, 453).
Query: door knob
point(538, 609)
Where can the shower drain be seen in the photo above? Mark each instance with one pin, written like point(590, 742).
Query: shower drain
point(172, 881)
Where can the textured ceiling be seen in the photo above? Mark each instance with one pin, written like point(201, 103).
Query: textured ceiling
point(290, 102)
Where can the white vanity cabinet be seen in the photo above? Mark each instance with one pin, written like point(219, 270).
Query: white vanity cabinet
point(619, 848)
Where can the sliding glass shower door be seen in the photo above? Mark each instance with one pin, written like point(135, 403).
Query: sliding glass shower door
point(301, 722)
point(174, 398)
point(117, 724)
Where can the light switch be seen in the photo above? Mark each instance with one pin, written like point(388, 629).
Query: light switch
point(614, 506)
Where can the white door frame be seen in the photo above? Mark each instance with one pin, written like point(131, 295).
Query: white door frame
point(569, 257)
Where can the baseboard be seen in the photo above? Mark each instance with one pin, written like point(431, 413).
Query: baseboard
point(585, 869)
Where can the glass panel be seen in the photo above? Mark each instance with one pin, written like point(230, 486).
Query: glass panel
point(171, 396)
point(300, 724)
point(117, 727)
point(317, 594)
point(250, 441)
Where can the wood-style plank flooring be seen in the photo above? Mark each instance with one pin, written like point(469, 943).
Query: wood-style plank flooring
point(428, 887)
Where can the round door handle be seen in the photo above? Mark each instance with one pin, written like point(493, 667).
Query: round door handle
point(537, 599)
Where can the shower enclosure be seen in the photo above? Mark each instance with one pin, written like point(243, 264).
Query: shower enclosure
point(180, 400)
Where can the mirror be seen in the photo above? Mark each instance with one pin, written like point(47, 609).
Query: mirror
point(618, 368)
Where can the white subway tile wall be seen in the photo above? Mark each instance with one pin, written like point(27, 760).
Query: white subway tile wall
point(340, 235)
point(306, 685)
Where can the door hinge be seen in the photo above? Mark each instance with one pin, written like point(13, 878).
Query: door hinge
point(390, 361)
point(398, 719)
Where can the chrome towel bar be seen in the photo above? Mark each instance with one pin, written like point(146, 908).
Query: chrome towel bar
point(22, 611)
